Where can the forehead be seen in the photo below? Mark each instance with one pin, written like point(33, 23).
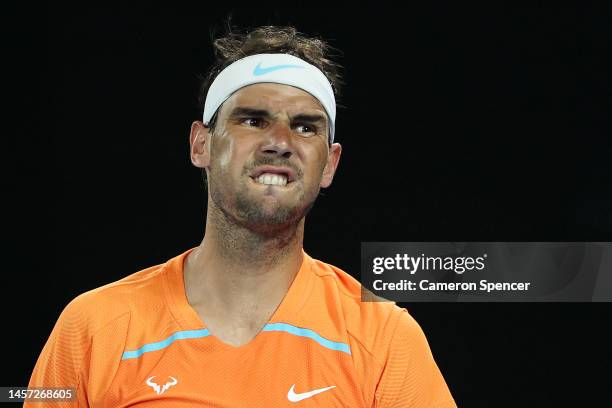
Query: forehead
point(275, 97)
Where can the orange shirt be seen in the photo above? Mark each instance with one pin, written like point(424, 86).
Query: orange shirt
point(138, 342)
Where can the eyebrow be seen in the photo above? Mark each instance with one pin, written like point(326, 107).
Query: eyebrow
point(316, 118)
point(241, 111)
point(263, 113)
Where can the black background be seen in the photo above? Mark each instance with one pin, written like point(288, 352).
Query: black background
point(460, 123)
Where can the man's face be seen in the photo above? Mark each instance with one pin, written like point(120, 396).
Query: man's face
point(269, 156)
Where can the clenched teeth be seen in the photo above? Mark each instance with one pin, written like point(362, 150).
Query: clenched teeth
point(272, 179)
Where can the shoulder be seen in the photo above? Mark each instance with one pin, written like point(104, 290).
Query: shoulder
point(370, 320)
point(382, 336)
point(93, 310)
point(91, 333)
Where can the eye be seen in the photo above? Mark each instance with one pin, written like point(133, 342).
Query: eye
point(253, 122)
point(306, 129)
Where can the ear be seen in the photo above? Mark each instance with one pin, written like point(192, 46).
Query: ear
point(333, 158)
point(199, 144)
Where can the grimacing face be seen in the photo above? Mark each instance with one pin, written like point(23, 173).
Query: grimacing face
point(268, 156)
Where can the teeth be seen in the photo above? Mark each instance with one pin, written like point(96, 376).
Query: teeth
point(272, 179)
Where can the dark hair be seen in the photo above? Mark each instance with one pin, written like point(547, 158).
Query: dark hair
point(270, 40)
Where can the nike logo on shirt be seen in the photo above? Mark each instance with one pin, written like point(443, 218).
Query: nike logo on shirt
point(294, 397)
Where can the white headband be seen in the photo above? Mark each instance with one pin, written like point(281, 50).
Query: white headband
point(276, 68)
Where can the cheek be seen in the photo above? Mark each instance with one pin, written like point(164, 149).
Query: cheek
point(224, 158)
point(230, 156)
point(315, 166)
point(319, 161)
point(223, 153)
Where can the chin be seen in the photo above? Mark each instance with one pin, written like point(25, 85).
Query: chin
point(272, 217)
point(276, 217)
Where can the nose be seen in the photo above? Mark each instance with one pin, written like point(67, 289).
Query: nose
point(278, 141)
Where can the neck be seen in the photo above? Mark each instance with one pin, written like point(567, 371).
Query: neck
point(238, 246)
point(235, 266)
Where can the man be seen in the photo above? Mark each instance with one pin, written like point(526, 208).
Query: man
point(248, 319)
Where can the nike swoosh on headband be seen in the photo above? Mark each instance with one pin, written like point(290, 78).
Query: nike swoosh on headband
point(262, 71)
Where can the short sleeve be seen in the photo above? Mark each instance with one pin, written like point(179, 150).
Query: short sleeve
point(411, 377)
point(60, 363)
point(83, 352)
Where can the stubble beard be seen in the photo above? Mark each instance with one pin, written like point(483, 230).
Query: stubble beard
point(252, 214)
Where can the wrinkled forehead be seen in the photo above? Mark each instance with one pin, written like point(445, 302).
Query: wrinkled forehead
point(274, 98)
